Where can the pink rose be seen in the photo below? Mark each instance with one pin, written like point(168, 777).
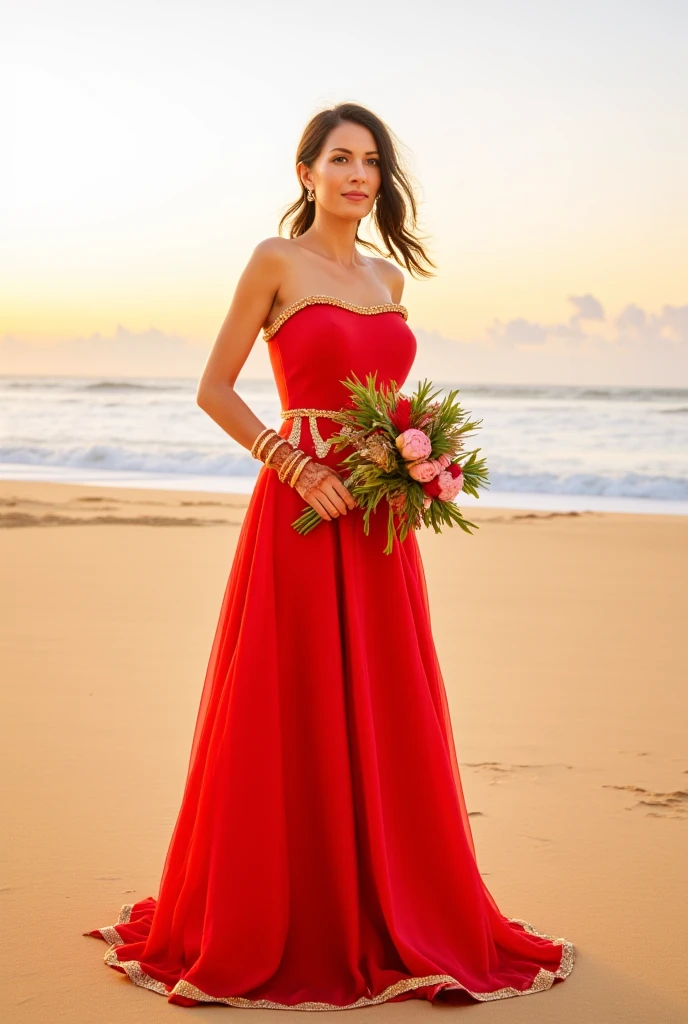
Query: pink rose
point(423, 471)
point(427, 501)
point(413, 444)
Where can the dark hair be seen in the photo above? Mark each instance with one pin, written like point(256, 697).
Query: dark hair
point(395, 203)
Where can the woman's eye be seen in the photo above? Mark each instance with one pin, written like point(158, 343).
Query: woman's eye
point(372, 159)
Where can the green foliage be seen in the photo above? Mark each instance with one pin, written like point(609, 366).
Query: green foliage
point(444, 422)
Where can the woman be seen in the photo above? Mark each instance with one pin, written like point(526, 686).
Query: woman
point(322, 856)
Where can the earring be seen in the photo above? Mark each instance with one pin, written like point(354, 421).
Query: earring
point(311, 195)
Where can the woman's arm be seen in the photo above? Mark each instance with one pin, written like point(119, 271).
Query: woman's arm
point(258, 284)
point(248, 311)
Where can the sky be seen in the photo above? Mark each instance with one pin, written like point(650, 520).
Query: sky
point(152, 146)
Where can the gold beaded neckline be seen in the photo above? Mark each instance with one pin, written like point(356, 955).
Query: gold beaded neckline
point(330, 300)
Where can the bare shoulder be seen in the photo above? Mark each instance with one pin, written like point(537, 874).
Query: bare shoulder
point(392, 276)
point(272, 250)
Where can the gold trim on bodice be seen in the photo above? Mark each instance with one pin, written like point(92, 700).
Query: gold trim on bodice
point(322, 446)
point(330, 300)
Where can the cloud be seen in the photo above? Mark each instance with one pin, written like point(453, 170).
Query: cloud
point(150, 353)
point(632, 327)
point(520, 332)
point(587, 308)
point(675, 318)
point(631, 318)
point(636, 348)
point(635, 326)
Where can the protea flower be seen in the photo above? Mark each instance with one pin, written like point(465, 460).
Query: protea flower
point(401, 414)
point(447, 484)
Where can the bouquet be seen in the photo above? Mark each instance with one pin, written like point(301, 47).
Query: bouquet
point(408, 450)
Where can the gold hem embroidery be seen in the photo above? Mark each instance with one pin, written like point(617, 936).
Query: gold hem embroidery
point(329, 300)
point(543, 980)
point(109, 933)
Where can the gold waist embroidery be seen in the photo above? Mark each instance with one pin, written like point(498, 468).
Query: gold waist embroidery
point(322, 446)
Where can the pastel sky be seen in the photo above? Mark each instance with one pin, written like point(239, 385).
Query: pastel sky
point(152, 146)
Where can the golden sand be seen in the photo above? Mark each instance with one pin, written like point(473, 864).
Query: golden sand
point(562, 638)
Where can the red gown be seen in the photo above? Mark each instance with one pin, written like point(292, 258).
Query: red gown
point(322, 857)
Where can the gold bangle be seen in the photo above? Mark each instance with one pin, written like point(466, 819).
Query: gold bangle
point(272, 451)
point(297, 469)
point(267, 445)
point(263, 446)
point(265, 430)
point(288, 463)
point(295, 475)
point(256, 439)
point(263, 443)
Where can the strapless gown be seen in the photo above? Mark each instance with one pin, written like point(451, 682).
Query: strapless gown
point(322, 857)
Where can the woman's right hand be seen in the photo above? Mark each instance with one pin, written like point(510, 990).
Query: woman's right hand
point(324, 490)
point(321, 486)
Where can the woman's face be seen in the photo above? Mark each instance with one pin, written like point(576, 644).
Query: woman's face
point(348, 163)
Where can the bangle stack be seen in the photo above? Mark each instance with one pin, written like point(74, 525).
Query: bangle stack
point(306, 459)
point(292, 466)
point(263, 449)
point(274, 448)
point(261, 441)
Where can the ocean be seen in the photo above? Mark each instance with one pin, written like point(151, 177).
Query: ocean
point(553, 447)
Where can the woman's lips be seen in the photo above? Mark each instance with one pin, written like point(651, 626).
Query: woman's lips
point(356, 196)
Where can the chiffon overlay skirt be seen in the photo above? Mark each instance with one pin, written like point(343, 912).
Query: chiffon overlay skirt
point(322, 857)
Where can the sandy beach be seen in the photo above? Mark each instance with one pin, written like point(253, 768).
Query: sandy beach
point(562, 641)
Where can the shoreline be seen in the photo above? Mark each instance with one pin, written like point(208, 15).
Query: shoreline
point(50, 503)
point(535, 501)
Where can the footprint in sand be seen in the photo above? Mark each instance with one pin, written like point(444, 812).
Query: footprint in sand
point(498, 772)
point(664, 805)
